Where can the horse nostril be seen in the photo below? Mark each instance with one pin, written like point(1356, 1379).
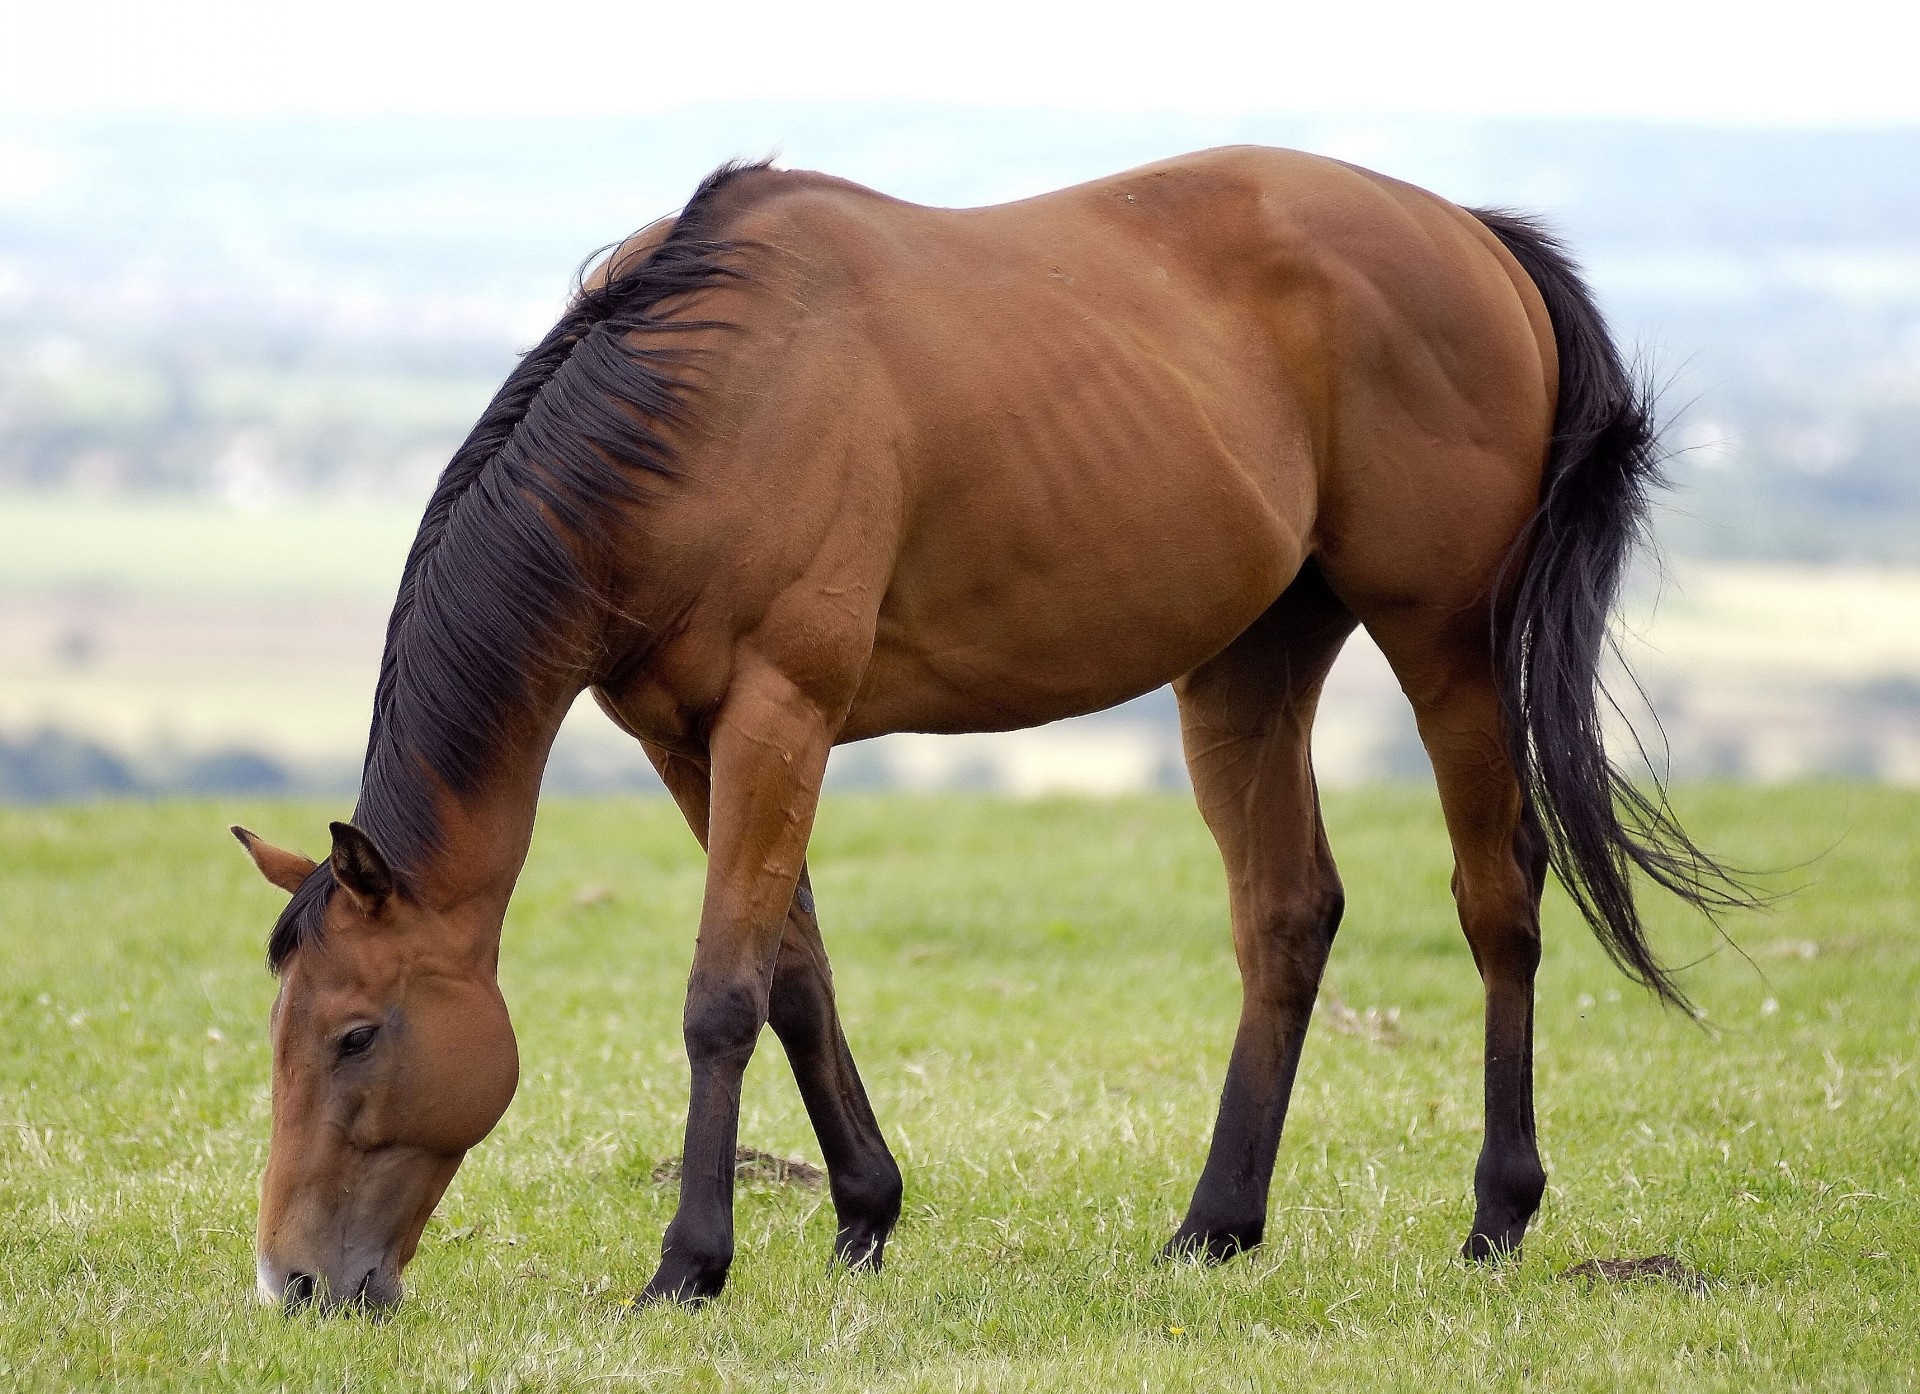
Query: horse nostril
point(300, 1290)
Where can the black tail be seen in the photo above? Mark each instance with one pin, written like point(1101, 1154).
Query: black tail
point(1603, 463)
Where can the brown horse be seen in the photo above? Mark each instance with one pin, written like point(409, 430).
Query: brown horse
point(807, 465)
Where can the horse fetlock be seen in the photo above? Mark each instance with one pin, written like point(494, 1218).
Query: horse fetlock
point(870, 1195)
point(1507, 1192)
point(867, 1205)
point(689, 1274)
point(1509, 1186)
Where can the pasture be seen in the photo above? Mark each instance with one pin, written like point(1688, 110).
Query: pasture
point(1042, 997)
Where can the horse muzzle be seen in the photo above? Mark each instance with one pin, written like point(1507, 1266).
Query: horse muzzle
point(369, 1285)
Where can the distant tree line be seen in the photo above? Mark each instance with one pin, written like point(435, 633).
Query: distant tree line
point(52, 766)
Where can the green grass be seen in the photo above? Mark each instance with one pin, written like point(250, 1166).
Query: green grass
point(1041, 996)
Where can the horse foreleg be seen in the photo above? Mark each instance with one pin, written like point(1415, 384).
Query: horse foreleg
point(861, 1172)
point(1246, 720)
point(767, 754)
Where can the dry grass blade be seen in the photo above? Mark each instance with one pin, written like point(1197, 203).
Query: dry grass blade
point(1376, 1024)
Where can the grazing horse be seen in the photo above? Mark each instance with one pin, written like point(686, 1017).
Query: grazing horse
point(807, 465)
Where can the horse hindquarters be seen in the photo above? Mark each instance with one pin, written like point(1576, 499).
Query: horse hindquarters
point(1495, 620)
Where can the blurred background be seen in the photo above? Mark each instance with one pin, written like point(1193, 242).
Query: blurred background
point(259, 271)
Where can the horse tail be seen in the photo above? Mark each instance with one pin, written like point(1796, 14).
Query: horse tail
point(1560, 584)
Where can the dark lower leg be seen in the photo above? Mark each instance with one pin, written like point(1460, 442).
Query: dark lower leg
point(1229, 1208)
point(722, 1024)
point(1509, 1180)
point(861, 1172)
point(698, 1246)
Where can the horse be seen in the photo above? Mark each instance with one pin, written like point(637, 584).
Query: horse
point(806, 465)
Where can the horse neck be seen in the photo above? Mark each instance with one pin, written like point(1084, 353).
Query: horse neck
point(483, 832)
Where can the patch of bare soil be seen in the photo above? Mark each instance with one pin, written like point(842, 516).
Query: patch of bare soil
point(1657, 1268)
point(750, 1164)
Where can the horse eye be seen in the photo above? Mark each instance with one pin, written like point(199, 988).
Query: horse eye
point(356, 1041)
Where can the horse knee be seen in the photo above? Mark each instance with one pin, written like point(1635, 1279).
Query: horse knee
point(721, 1025)
point(1309, 909)
point(1333, 908)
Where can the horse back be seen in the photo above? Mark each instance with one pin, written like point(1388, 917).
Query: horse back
point(1056, 452)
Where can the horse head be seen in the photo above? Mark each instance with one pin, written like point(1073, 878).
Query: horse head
point(392, 1056)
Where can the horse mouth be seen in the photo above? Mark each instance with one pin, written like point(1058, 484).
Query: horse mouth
point(375, 1295)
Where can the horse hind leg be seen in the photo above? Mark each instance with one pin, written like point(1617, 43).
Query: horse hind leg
point(1246, 720)
point(1500, 864)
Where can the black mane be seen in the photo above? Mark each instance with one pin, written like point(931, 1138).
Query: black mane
point(494, 576)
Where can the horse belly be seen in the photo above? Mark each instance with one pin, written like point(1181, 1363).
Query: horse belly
point(1065, 582)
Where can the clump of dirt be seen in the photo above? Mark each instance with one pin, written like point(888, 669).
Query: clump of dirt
point(1381, 1026)
point(750, 1164)
point(1656, 1268)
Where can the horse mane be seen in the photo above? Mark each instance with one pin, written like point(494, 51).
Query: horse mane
point(494, 578)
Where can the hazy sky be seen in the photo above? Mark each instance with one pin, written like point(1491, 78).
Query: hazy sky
point(1836, 61)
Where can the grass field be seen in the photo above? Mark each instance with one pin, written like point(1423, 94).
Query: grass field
point(1042, 997)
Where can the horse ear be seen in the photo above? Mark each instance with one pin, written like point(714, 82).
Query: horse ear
point(359, 868)
point(283, 868)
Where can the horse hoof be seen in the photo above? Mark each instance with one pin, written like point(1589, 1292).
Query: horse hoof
point(860, 1251)
point(1209, 1247)
point(1491, 1249)
point(687, 1287)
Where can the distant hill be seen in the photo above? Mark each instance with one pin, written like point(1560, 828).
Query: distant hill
point(257, 308)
